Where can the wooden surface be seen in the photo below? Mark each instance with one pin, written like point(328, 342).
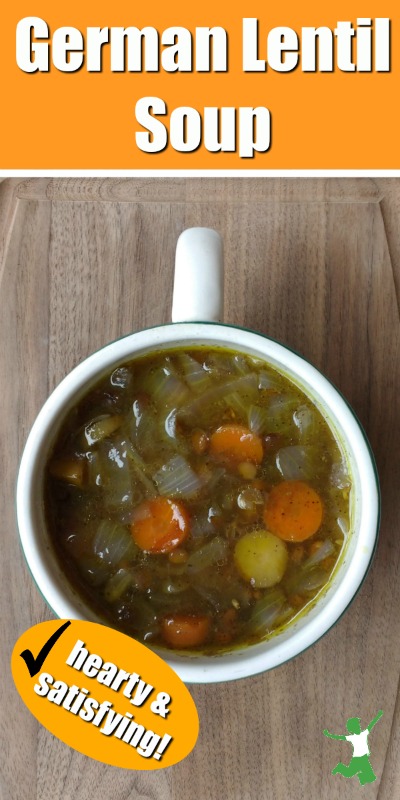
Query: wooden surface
point(314, 263)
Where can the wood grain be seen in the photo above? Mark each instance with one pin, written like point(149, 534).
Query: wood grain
point(313, 263)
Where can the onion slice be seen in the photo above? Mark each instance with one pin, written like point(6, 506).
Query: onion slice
point(259, 420)
point(324, 551)
point(211, 553)
point(246, 383)
point(112, 543)
point(295, 462)
point(176, 477)
point(266, 611)
point(304, 419)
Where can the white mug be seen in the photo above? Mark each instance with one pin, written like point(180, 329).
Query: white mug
point(197, 313)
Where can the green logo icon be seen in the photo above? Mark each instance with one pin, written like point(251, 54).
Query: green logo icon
point(359, 764)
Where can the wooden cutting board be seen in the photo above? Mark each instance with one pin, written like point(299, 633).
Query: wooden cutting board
point(313, 263)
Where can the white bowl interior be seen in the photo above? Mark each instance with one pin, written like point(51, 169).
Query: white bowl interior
point(353, 564)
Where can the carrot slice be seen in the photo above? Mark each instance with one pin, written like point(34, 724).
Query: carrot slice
point(160, 525)
point(236, 444)
point(293, 511)
point(180, 630)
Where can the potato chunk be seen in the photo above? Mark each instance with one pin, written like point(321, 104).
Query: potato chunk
point(261, 558)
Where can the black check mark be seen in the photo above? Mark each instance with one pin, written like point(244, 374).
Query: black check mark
point(35, 664)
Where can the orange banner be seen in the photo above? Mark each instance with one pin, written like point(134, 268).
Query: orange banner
point(209, 86)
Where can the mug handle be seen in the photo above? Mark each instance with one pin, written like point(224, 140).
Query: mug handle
point(198, 294)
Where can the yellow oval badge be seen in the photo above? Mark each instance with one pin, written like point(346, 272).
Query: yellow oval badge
point(105, 694)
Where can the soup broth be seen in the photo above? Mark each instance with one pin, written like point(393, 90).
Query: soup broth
point(197, 499)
